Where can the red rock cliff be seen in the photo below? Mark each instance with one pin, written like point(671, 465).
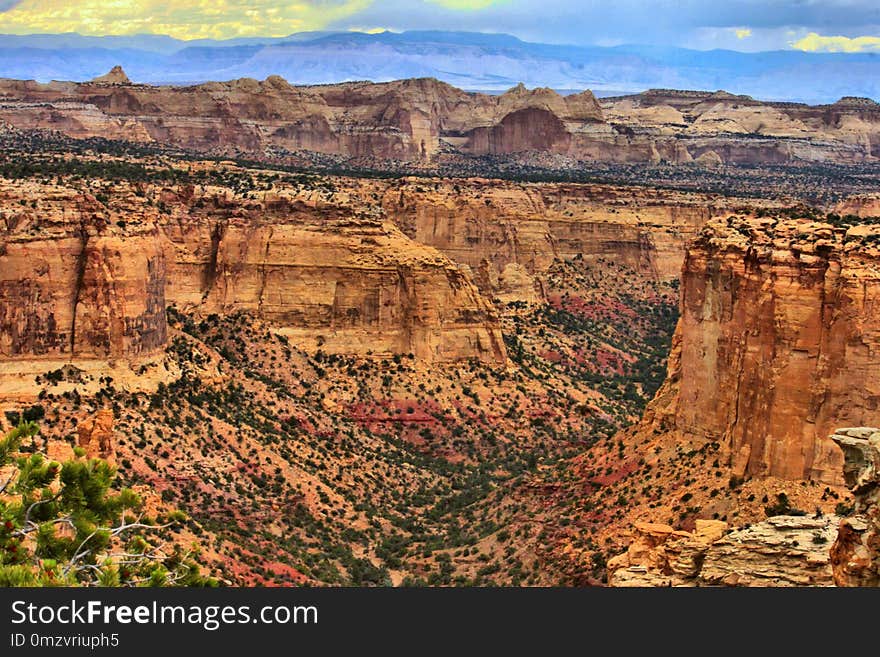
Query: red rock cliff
point(776, 345)
point(422, 119)
point(74, 284)
point(80, 279)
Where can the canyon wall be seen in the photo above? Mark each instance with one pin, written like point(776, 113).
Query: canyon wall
point(332, 280)
point(397, 120)
point(86, 291)
point(403, 266)
point(508, 233)
point(776, 345)
point(421, 120)
point(81, 280)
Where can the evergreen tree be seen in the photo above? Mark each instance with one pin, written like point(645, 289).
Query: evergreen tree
point(64, 524)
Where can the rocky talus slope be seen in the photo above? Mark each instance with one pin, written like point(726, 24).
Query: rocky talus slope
point(784, 550)
point(423, 120)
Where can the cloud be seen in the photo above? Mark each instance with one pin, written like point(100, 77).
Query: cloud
point(814, 42)
point(368, 30)
point(737, 24)
point(185, 19)
point(466, 5)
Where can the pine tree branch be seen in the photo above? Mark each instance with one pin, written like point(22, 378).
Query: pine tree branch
point(27, 515)
point(8, 481)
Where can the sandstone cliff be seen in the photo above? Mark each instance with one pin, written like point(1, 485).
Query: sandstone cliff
point(329, 279)
point(402, 266)
point(420, 120)
point(74, 285)
point(775, 345)
point(507, 232)
point(86, 280)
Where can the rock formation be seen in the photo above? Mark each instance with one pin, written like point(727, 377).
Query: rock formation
point(742, 130)
point(775, 345)
point(333, 281)
point(95, 435)
point(421, 119)
point(823, 550)
point(781, 551)
point(860, 205)
point(855, 555)
point(115, 76)
point(87, 290)
point(81, 280)
point(490, 225)
point(89, 280)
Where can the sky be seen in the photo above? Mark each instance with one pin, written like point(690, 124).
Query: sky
point(746, 25)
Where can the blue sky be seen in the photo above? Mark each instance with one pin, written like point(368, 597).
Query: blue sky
point(750, 25)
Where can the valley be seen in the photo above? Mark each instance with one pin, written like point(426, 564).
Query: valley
point(443, 353)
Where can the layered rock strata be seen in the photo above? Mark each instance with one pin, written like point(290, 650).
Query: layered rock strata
point(782, 551)
point(503, 230)
point(421, 119)
point(81, 280)
point(723, 127)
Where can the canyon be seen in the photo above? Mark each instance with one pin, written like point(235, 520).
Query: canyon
point(484, 355)
point(412, 266)
point(425, 121)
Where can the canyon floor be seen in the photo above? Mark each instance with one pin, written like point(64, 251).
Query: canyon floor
point(428, 377)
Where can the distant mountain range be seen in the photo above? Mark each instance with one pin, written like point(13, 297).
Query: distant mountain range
point(474, 61)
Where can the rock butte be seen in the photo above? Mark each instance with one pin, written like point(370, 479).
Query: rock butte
point(420, 119)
